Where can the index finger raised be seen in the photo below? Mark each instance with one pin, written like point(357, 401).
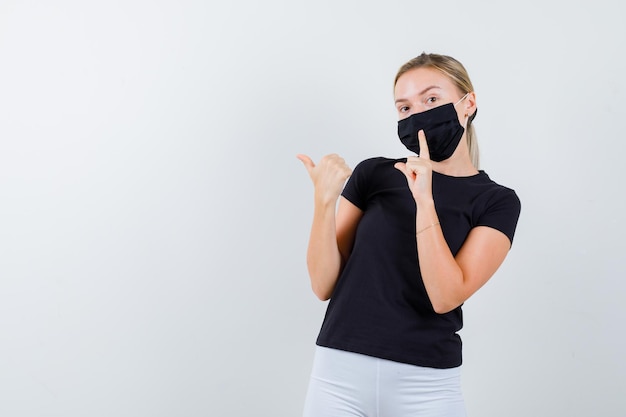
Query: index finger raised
point(424, 153)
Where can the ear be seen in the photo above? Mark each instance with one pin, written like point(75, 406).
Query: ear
point(469, 104)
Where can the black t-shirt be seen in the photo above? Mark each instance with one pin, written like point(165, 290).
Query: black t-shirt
point(379, 306)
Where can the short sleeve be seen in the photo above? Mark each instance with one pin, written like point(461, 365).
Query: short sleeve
point(356, 189)
point(502, 212)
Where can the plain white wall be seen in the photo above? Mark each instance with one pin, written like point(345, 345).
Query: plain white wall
point(154, 218)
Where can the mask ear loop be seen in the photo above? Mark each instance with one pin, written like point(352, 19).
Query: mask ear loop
point(467, 116)
point(462, 98)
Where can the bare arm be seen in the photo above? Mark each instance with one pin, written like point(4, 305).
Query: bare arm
point(449, 280)
point(332, 233)
point(330, 245)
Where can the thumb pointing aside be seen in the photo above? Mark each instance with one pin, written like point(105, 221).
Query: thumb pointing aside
point(306, 161)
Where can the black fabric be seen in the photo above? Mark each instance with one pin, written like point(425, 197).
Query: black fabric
point(379, 306)
point(441, 127)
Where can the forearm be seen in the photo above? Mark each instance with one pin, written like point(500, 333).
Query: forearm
point(323, 255)
point(442, 276)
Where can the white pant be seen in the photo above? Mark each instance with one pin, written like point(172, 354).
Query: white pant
point(349, 384)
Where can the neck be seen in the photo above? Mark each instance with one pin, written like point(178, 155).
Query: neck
point(454, 171)
point(458, 165)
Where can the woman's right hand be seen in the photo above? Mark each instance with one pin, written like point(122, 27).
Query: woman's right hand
point(334, 225)
point(328, 176)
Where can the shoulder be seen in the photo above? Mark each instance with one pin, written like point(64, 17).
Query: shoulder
point(371, 175)
point(500, 194)
point(501, 209)
point(377, 171)
point(377, 163)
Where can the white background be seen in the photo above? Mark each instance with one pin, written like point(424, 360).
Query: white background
point(154, 218)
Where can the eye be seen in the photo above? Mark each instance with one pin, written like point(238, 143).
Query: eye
point(403, 109)
point(431, 100)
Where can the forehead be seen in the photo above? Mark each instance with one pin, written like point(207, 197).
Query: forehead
point(417, 80)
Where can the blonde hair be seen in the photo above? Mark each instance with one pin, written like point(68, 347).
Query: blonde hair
point(457, 73)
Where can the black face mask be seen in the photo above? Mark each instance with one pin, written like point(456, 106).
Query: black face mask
point(441, 127)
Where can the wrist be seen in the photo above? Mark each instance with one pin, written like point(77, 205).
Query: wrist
point(324, 201)
point(426, 214)
point(425, 228)
point(425, 204)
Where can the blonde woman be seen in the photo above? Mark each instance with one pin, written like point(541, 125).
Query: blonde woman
point(409, 242)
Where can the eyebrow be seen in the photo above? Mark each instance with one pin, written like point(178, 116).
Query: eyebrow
point(421, 92)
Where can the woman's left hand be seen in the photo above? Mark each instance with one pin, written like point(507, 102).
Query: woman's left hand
point(418, 171)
